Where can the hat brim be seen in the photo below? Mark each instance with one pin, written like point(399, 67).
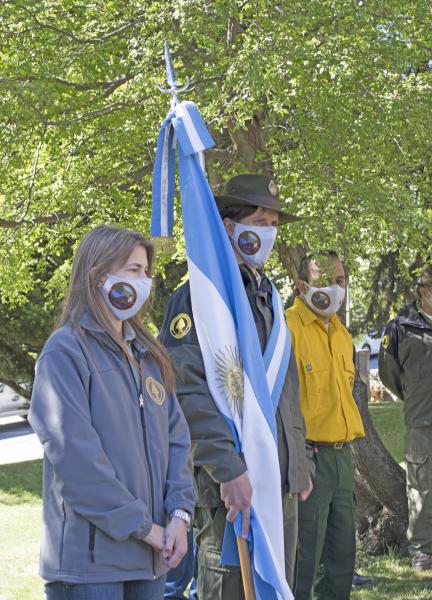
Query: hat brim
point(224, 201)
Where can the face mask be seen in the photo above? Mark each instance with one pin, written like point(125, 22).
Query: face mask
point(254, 244)
point(325, 301)
point(126, 295)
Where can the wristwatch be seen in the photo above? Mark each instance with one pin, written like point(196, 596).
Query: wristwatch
point(181, 514)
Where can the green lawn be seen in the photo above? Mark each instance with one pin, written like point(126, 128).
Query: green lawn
point(20, 513)
point(20, 524)
point(388, 419)
point(394, 579)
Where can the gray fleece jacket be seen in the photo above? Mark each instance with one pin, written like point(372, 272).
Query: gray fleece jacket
point(116, 450)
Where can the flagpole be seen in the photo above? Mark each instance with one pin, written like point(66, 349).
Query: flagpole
point(242, 544)
point(246, 568)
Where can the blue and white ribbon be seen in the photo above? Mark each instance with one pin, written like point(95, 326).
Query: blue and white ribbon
point(189, 129)
point(245, 385)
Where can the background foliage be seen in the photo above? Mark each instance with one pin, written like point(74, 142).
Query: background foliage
point(333, 97)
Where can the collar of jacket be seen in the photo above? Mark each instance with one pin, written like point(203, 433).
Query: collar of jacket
point(307, 316)
point(250, 280)
point(411, 316)
point(88, 323)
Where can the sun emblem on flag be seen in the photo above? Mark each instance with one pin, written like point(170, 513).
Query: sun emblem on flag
point(230, 378)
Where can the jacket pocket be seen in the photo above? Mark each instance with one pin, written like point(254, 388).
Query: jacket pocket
point(92, 539)
point(206, 489)
point(317, 382)
point(418, 476)
point(349, 370)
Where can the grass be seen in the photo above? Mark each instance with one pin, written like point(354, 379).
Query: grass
point(20, 525)
point(388, 419)
point(20, 515)
point(394, 579)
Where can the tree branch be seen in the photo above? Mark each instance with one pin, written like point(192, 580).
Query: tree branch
point(95, 40)
point(27, 361)
point(48, 219)
point(17, 388)
point(90, 114)
point(82, 87)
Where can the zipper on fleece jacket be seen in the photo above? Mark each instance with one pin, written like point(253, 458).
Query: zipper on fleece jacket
point(144, 428)
point(139, 390)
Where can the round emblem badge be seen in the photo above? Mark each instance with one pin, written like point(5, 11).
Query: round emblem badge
point(272, 188)
point(249, 242)
point(320, 300)
point(180, 326)
point(385, 342)
point(155, 390)
point(308, 367)
point(122, 295)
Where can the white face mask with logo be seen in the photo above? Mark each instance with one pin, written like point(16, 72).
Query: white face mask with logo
point(325, 301)
point(253, 243)
point(125, 296)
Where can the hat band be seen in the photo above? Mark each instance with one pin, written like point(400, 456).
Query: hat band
point(268, 201)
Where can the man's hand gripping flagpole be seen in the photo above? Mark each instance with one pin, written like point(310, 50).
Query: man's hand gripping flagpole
point(242, 543)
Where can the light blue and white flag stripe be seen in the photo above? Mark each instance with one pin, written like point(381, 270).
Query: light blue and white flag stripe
point(245, 385)
point(278, 350)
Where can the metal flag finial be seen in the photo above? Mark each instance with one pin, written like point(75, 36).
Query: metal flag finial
point(171, 78)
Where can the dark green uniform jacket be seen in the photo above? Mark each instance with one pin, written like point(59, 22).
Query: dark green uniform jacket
point(214, 455)
point(405, 364)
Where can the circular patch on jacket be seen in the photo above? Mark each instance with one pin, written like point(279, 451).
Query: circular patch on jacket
point(320, 300)
point(122, 295)
point(385, 342)
point(155, 390)
point(180, 326)
point(308, 367)
point(249, 242)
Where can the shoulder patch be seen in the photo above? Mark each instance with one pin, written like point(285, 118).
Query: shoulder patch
point(155, 390)
point(180, 326)
point(385, 342)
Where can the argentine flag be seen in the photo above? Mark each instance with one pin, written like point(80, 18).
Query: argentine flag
point(245, 385)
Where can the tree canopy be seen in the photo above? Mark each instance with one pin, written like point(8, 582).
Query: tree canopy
point(333, 97)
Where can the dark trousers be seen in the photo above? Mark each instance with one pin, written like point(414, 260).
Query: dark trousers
point(185, 573)
point(327, 529)
point(418, 456)
point(119, 590)
point(217, 582)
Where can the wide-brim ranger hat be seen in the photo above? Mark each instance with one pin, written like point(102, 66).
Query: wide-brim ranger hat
point(254, 190)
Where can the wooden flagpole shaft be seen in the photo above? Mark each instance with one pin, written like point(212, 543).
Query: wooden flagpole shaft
point(246, 569)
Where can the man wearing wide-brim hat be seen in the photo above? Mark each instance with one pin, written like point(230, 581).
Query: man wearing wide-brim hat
point(251, 212)
point(253, 191)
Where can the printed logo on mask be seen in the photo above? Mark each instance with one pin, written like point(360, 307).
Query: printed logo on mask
point(249, 242)
point(320, 300)
point(122, 295)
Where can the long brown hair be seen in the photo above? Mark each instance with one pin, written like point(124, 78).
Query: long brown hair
point(104, 250)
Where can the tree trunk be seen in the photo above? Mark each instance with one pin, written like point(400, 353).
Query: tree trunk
point(380, 482)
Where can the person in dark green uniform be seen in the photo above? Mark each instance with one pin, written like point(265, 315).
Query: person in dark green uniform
point(250, 203)
point(405, 367)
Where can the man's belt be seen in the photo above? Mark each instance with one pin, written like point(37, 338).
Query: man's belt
point(334, 445)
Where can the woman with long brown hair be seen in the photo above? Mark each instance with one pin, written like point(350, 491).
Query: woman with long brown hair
point(117, 486)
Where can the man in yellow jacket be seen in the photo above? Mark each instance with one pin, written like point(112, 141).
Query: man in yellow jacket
point(324, 354)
